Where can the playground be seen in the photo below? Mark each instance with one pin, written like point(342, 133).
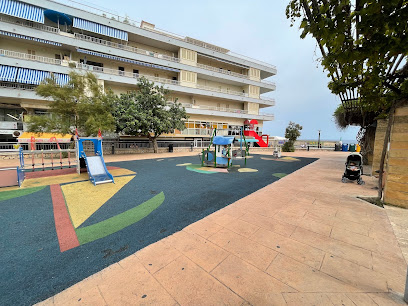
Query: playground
point(60, 227)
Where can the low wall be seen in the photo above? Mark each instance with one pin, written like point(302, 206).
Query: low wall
point(396, 180)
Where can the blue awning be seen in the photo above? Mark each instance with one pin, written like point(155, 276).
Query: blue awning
point(22, 10)
point(32, 76)
point(44, 41)
point(8, 73)
point(99, 28)
point(222, 141)
point(58, 17)
point(121, 59)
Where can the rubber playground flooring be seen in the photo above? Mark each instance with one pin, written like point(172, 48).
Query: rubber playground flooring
point(60, 229)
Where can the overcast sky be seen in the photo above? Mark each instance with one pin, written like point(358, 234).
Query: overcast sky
point(258, 29)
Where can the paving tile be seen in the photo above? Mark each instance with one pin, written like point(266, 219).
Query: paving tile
point(305, 278)
point(220, 218)
point(354, 274)
point(306, 299)
point(191, 285)
point(242, 228)
point(133, 285)
point(204, 227)
point(236, 210)
point(292, 248)
point(351, 226)
point(333, 246)
point(201, 251)
point(387, 299)
point(246, 249)
point(156, 256)
point(357, 240)
point(252, 284)
point(352, 216)
point(392, 267)
point(361, 299)
point(292, 216)
point(340, 299)
point(271, 224)
point(315, 226)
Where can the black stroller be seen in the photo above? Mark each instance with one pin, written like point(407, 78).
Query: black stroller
point(354, 169)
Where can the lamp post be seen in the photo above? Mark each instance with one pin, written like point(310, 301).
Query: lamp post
point(318, 142)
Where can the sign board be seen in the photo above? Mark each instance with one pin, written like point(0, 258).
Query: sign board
point(8, 125)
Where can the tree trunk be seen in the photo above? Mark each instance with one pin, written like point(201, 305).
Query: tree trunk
point(384, 150)
point(155, 146)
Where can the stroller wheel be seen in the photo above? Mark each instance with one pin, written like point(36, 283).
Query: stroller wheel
point(343, 179)
point(360, 182)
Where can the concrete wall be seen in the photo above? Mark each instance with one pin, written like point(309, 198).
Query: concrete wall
point(396, 181)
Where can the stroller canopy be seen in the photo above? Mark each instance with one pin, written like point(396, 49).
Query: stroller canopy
point(355, 158)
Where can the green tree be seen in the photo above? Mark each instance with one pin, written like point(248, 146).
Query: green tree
point(292, 133)
point(81, 104)
point(146, 113)
point(364, 47)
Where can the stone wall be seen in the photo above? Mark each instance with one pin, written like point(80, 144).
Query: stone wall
point(378, 144)
point(396, 181)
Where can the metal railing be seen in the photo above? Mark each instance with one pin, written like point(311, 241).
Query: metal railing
point(222, 90)
point(216, 108)
point(125, 47)
point(224, 71)
point(17, 86)
point(29, 24)
point(48, 60)
point(26, 56)
point(268, 99)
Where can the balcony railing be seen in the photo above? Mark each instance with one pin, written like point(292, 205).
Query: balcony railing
point(268, 99)
point(222, 90)
point(268, 82)
point(48, 60)
point(125, 47)
point(220, 109)
point(30, 57)
point(30, 24)
point(17, 86)
point(224, 71)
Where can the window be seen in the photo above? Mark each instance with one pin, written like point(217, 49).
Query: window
point(156, 75)
point(136, 71)
point(121, 70)
point(57, 56)
point(31, 53)
point(227, 106)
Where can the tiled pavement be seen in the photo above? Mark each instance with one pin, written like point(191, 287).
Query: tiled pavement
point(303, 240)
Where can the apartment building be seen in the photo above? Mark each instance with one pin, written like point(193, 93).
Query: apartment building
point(40, 37)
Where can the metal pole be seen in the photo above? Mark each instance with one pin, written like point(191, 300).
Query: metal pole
point(318, 142)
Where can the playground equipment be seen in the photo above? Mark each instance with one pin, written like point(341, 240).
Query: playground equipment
point(97, 171)
point(251, 132)
point(224, 152)
point(48, 140)
point(12, 176)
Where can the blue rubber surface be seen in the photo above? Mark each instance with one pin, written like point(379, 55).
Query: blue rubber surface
point(32, 266)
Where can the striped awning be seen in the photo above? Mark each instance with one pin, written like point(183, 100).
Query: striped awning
point(99, 28)
point(32, 76)
point(22, 10)
point(8, 73)
point(44, 41)
point(126, 60)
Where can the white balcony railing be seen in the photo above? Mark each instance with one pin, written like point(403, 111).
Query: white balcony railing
point(30, 57)
point(223, 90)
point(29, 24)
point(48, 60)
point(124, 47)
point(215, 108)
point(224, 71)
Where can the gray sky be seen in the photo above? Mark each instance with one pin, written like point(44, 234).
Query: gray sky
point(258, 29)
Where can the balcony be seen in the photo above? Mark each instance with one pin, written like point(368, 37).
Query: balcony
point(29, 24)
point(224, 71)
point(48, 60)
point(125, 47)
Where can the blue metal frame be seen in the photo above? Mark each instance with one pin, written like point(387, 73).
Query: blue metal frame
point(98, 152)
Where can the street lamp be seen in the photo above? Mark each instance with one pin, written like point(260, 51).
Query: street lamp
point(318, 142)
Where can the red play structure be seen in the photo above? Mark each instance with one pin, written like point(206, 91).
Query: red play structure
point(251, 132)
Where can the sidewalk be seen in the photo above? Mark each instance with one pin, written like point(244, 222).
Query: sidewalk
point(303, 240)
